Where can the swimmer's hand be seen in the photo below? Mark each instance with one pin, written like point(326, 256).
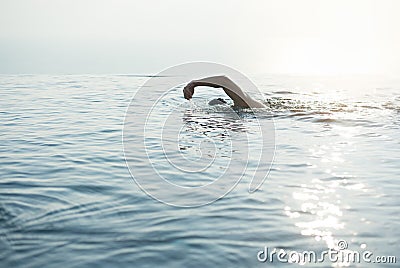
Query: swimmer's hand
point(188, 90)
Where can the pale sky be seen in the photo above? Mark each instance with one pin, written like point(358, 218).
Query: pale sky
point(147, 36)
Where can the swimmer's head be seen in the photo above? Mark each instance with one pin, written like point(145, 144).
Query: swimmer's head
point(218, 101)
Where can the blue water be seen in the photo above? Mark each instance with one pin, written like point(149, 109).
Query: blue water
point(67, 197)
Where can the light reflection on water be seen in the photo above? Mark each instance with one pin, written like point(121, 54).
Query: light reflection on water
point(67, 198)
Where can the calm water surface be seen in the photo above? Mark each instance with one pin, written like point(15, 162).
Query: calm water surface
point(67, 197)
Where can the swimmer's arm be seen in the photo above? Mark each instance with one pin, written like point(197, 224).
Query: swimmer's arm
point(240, 98)
point(188, 90)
